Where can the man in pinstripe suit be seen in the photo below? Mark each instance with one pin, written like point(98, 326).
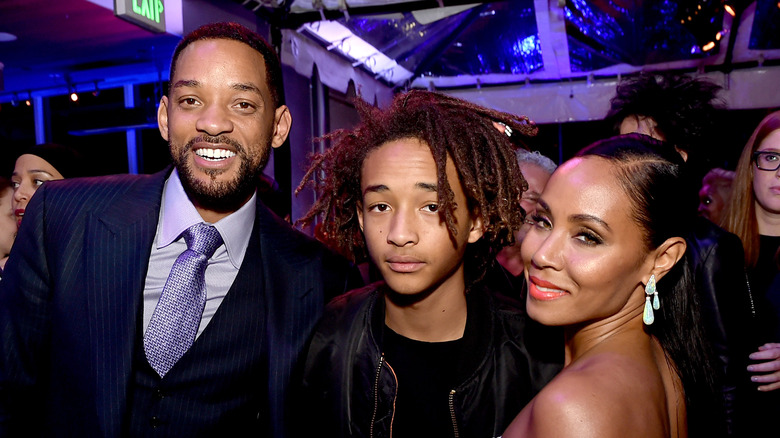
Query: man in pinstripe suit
point(93, 255)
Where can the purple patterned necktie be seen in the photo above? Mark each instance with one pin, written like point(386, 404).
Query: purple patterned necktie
point(176, 318)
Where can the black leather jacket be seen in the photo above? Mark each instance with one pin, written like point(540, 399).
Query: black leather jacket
point(728, 309)
point(350, 388)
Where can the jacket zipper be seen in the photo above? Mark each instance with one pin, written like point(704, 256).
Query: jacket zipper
point(451, 401)
point(452, 413)
point(376, 396)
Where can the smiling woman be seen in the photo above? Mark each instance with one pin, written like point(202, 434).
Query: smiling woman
point(602, 236)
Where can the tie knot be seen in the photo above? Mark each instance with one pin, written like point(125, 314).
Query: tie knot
point(203, 239)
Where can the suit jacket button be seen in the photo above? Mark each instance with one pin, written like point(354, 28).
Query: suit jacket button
point(160, 394)
point(154, 422)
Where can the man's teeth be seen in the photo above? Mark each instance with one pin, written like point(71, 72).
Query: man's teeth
point(214, 154)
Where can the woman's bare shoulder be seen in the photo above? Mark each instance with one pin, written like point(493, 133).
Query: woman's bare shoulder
point(602, 396)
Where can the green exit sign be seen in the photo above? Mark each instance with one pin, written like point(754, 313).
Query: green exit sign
point(149, 14)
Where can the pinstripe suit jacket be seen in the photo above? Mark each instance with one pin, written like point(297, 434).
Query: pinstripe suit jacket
point(71, 297)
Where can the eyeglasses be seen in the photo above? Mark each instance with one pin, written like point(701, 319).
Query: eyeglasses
point(769, 161)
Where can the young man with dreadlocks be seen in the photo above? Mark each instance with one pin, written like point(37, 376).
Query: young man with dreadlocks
point(428, 191)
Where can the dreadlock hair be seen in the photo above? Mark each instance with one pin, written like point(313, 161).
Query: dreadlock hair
point(452, 128)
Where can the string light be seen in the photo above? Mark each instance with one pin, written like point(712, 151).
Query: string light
point(708, 46)
point(730, 10)
point(74, 97)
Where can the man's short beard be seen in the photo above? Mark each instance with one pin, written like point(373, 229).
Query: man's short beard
point(226, 196)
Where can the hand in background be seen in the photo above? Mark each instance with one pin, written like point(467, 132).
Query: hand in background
point(769, 367)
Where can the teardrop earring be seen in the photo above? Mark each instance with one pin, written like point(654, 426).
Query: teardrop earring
point(647, 316)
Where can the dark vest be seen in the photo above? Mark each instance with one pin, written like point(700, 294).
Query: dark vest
point(219, 387)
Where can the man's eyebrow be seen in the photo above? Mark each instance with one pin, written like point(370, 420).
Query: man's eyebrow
point(383, 188)
point(246, 87)
point(376, 188)
point(186, 83)
point(427, 186)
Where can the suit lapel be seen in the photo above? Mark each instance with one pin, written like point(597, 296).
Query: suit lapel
point(117, 255)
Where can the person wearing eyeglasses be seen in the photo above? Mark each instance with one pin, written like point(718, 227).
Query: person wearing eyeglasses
point(753, 214)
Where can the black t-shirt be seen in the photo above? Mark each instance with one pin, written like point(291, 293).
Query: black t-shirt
point(426, 373)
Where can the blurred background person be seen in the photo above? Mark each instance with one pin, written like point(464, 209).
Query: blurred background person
point(38, 164)
point(7, 222)
point(682, 110)
point(679, 109)
point(753, 214)
point(536, 169)
point(715, 193)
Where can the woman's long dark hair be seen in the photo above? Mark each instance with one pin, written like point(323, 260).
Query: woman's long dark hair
point(655, 178)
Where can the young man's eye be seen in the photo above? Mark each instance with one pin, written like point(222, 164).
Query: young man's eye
point(245, 105)
point(189, 101)
point(379, 207)
point(431, 208)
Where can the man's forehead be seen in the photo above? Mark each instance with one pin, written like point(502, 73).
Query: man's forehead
point(220, 48)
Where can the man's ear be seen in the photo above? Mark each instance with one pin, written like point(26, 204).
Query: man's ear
point(162, 117)
point(476, 231)
point(666, 256)
point(360, 215)
point(282, 124)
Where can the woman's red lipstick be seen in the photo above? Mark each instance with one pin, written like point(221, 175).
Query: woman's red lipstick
point(19, 213)
point(542, 290)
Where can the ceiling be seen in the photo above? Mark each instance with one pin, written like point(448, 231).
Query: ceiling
point(503, 42)
point(79, 43)
point(65, 42)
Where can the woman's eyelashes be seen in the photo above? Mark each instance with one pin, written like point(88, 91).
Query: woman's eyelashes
point(541, 221)
point(589, 237)
point(585, 235)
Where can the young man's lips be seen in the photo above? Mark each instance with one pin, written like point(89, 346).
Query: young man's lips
point(544, 290)
point(404, 264)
